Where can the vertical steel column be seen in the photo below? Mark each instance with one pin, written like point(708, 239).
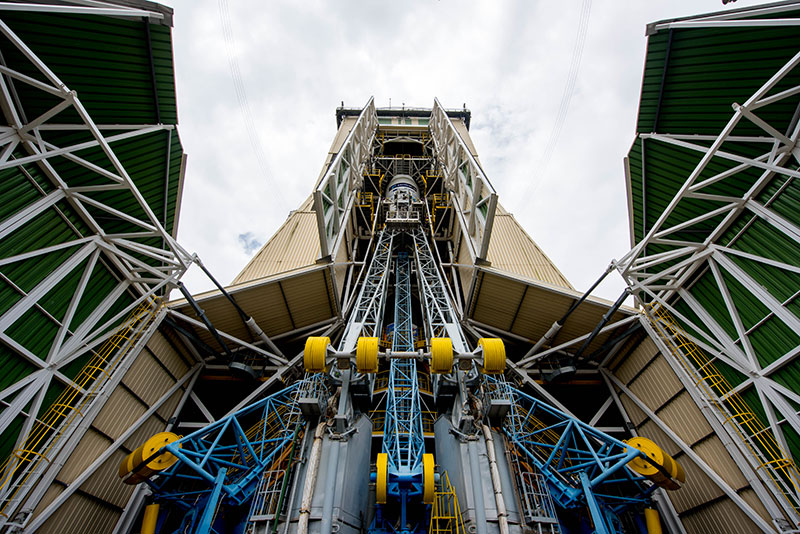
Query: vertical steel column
point(440, 317)
point(403, 440)
point(366, 317)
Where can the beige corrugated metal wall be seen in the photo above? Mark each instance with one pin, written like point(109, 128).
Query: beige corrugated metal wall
point(294, 245)
point(511, 249)
point(701, 503)
point(97, 505)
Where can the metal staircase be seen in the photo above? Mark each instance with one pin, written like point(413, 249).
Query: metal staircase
point(270, 495)
point(24, 467)
point(776, 467)
point(445, 512)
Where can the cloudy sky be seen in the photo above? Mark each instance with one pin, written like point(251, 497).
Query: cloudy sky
point(257, 144)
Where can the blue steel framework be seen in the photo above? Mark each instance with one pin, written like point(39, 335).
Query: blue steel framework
point(403, 439)
point(224, 464)
point(583, 467)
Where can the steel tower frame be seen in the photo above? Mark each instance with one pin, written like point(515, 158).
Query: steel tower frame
point(143, 272)
point(660, 281)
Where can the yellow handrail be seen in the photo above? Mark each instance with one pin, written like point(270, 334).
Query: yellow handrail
point(445, 512)
point(758, 438)
point(70, 404)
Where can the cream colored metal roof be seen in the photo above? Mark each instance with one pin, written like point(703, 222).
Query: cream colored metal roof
point(511, 249)
point(279, 304)
point(528, 308)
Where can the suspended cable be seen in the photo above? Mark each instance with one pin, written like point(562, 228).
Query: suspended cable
point(241, 97)
point(577, 53)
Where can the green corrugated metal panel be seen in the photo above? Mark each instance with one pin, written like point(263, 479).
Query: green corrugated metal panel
point(708, 70)
point(107, 61)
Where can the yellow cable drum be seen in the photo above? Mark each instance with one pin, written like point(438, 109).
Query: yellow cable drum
point(428, 482)
point(662, 469)
point(494, 355)
point(441, 355)
point(382, 478)
point(367, 355)
point(134, 464)
point(315, 353)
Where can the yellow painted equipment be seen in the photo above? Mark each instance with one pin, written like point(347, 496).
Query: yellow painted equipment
point(441, 355)
point(367, 355)
point(428, 484)
point(150, 519)
point(652, 521)
point(382, 478)
point(146, 461)
point(315, 353)
point(662, 469)
point(494, 355)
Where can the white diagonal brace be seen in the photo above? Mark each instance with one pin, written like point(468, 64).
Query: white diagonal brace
point(24, 304)
point(775, 306)
point(713, 475)
point(790, 230)
point(31, 211)
point(80, 479)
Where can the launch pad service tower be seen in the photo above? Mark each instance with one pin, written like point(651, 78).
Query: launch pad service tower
point(400, 357)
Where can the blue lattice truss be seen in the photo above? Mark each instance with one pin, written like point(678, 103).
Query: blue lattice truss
point(403, 438)
point(582, 465)
point(222, 463)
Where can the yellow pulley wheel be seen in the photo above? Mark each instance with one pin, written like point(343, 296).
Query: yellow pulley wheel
point(428, 482)
point(441, 355)
point(381, 482)
point(494, 355)
point(148, 452)
point(315, 353)
point(662, 469)
point(367, 355)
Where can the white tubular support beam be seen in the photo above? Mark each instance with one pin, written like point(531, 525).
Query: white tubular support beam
point(198, 324)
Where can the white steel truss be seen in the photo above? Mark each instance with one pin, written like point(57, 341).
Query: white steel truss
point(471, 193)
point(367, 315)
point(333, 196)
point(665, 278)
point(142, 271)
point(441, 317)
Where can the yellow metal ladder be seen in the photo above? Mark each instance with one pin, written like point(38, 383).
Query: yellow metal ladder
point(758, 439)
point(23, 466)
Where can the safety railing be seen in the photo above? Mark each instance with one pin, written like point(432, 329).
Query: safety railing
point(440, 203)
point(366, 200)
point(23, 466)
point(445, 512)
point(538, 509)
point(378, 418)
point(423, 382)
point(734, 412)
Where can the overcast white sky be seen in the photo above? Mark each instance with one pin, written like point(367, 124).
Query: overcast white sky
point(507, 61)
